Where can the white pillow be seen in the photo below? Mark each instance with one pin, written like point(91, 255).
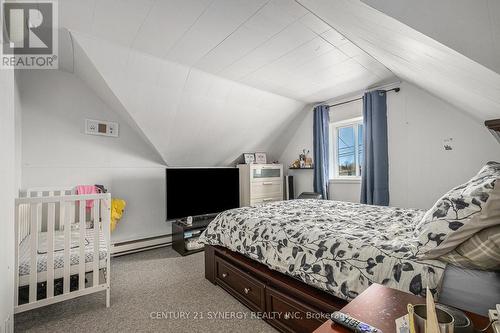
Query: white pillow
point(460, 213)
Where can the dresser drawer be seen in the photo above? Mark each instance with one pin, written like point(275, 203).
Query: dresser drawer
point(266, 189)
point(245, 288)
point(291, 315)
point(257, 201)
point(266, 172)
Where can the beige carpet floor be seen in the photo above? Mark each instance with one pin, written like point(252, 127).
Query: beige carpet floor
point(144, 287)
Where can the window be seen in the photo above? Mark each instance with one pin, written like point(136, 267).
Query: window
point(346, 142)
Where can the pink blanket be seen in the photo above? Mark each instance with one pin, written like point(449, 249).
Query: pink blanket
point(87, 189)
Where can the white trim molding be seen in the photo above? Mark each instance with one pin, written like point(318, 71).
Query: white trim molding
point(334, 126)
point(349, 180)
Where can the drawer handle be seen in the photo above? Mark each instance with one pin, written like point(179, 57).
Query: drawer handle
point(224, 275)
point(267, 183)
point(247, 290)
point(286, 316)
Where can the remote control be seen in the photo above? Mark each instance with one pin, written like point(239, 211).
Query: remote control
point(352, 323)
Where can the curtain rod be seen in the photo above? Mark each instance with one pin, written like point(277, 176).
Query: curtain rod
point(360, 98)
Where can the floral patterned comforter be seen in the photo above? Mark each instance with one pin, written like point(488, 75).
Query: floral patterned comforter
point(339, 247)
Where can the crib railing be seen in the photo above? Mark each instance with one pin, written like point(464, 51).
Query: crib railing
point(63, 213)
point(40, 192)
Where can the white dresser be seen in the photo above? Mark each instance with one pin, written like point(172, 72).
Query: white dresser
point(260, 183)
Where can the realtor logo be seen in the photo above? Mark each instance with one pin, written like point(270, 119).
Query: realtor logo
point(29, 35)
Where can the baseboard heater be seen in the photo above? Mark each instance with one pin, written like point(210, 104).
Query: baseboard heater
point(143, 244)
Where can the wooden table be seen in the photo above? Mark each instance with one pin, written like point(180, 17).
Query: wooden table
point(380, 306)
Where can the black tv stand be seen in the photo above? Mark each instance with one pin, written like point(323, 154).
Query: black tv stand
point(181, 231)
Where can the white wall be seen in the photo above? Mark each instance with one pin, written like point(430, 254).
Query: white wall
point(7, 195)
point(301, 138)
point(420, 169)
point(18, 132)
point(57, 152)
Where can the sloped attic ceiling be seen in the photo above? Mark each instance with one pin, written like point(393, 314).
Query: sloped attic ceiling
point(470, 27)
point(183, 69)
point(207, 80)
point(191, 117)
point(414, 57)
point(273, 45)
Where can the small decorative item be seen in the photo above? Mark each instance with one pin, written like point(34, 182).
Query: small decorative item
point(304, 162)
point(448, 144)
point(260, 158)
point(302, 157)
point(117, 209)
point(249, 158)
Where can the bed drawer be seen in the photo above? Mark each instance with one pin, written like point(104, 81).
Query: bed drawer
point(245, 288)
point(266, 189)
point(291, 315)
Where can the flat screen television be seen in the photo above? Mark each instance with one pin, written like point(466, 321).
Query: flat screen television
point(201, 191)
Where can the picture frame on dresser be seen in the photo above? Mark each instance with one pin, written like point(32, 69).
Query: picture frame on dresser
point(260, 158)
point(249, 158)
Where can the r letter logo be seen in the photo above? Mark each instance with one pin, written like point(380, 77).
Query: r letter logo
point(29, 32)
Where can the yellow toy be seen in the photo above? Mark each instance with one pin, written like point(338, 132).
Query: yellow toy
point(117, 208)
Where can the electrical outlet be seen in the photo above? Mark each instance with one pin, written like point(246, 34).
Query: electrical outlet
point(90, 126)
point(99, 127)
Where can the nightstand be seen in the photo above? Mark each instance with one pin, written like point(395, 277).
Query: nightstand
point(380, 306)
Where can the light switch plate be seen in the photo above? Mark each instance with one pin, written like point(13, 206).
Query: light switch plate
point(101, 127)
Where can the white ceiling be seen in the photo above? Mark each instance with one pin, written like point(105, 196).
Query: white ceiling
point(274, 45)
point(469, 27)
point(415, 57)
point(191, 117)
point(192, 73)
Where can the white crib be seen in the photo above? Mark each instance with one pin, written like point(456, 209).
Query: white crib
point(63, 246)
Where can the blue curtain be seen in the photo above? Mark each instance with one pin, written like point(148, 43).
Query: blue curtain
point(321, 137)
point(375, 171)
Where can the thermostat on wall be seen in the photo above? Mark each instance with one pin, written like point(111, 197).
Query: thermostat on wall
point(99, 127)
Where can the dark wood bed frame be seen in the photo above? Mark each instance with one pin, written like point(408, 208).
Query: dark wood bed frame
point(284, 302)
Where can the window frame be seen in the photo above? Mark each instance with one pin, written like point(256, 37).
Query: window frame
point(334, 129)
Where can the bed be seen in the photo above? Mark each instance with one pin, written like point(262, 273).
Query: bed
point(338, 247)
point(301, 257)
